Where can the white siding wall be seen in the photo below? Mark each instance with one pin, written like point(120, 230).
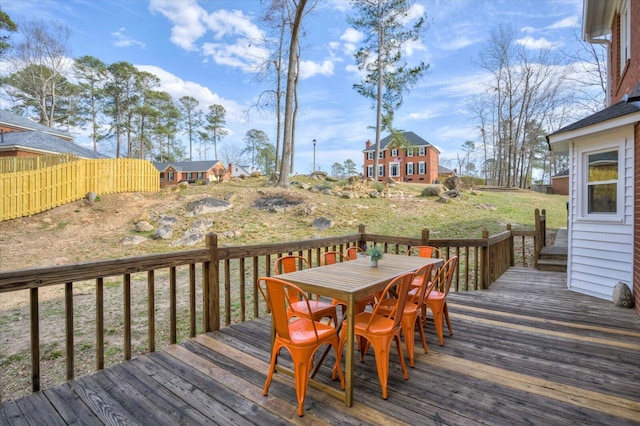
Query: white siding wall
point(600, 252)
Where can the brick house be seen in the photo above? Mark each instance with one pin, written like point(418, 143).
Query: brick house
point(172, 173)
point(417, 163)
point(21, 137)
point(560, 183)
point(604, 161)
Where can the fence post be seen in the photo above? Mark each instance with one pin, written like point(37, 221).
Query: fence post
point(425, 237)
point(486, 254)
point(213, 284)
point(361, 231)
point(512, 250)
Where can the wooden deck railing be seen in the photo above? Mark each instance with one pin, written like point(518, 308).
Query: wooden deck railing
point(226, 277)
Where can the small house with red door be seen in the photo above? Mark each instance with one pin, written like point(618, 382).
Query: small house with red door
point(172, 173)
point(416, 162)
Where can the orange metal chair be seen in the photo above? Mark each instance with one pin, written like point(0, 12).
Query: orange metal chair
point(352, 252)
point(425, 251)
point(437, 299)
point(331, 257)
point(319, 309)
point(380, 330)
point(301, 337)
point(412, 310)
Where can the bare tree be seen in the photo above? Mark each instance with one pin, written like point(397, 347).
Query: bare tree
point(191, 119)
point(39, 60)
point(215, 126)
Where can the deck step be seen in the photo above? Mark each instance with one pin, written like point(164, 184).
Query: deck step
point(556, 265)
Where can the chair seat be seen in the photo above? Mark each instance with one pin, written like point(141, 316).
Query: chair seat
point(379, 324)
point(301, 331)
point(387, 305)
point(436, 295)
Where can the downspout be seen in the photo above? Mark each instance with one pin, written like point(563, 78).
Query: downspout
point(607, 44)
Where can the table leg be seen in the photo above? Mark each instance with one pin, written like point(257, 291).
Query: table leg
point(349, 357)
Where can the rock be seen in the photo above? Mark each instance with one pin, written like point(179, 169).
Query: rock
point(622, 296)
point(443, 199)
point(453, 183)
point(309, 209)
point(202, 224)
point(189, 239)
point(323, 223)
point(349, 195)
point(167, 220)
point(432, 191)
point(144, 226)
point(304, 186)
point(164, 233)
point(91, 197)
point(454, 193)
point(132, 240)
point(474, 192)
point(208, 205)
point(486, 207)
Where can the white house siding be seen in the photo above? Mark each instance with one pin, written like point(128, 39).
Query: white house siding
point(601, 252)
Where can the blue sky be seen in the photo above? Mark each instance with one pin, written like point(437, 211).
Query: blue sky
point(206, 49)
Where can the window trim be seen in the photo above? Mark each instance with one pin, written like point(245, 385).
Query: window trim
point(409, 152)
point(422, 151)
point(370, 171)
point(582, 193)
point(370, 155)
point(409, 169)
point(394, 165)
point(422, 168)
point(625, 35)
point(381, 170)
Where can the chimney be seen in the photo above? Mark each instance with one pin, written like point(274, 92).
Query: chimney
point(368, 144)
point(230, 169)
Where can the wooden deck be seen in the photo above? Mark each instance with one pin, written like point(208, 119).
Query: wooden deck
point(527, 351)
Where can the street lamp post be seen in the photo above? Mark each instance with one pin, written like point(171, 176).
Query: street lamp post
point(314, 155)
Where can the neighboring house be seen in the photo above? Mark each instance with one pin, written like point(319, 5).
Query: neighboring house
point(21, 137)
point(604, 162)
point(560, 183)
point(418, 163)
point(444, 173)
point(172, 173)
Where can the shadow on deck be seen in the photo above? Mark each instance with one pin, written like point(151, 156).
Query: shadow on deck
point(526, 351)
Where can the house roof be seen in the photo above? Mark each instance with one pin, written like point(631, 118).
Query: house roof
point(442, 170)
point(186, 166)
point(38, 142)
point(597, 18)
point(411, 138)
point(9, 119)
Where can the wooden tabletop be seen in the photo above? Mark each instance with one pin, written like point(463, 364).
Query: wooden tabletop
point(355, 277)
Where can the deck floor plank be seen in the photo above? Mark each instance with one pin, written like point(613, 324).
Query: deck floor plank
point(527, 351)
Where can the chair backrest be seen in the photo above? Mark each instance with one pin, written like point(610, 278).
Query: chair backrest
point(278, 294)
point(423, 274)
point(425, 251)
point(443, 278)
point(352, 252)
point(331, 257)
point(400, 285)
point(290, 263)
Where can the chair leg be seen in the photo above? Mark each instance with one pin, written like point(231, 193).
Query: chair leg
point(405, 372)
point(272, 367)
point(446, 317)
point(437, 310)
point(421, 331)
point(408, 329)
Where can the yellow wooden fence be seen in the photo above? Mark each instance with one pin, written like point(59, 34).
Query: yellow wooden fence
point(29, 192)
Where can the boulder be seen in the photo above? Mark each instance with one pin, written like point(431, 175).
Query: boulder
point(323, 223)
point(164, 233)
point(453, 183)
point(622, 296)
point(132, 240)
point(144, 226)
point(432, 191)
point(208, 205)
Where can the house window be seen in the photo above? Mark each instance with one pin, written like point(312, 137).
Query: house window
point(170, 178)
point(161, 176)
point(422, 150)
point(370, 155)
point(422, 168)
point(410, 152)
point(380, 170)
point(200, 175)
point(394, 152)
point(369, 171)
point(409, 168)
point(394, 169)
point(381, 154)
point(625, 35)
point(602, 182)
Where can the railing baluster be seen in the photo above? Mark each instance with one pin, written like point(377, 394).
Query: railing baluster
point(243, 283)
point(192, 300)
point(35, 339)
point(68, 326)
point(227, 292)
point(151, 310)
point(99, 323)
point(173, 333)
point(126, 295)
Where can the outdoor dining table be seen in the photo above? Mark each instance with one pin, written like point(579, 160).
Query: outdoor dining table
point(350, 281)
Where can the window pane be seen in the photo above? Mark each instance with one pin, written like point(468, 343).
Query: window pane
point(603, 166)
point(603, 198)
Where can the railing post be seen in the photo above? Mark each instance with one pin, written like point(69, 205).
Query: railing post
point(486, 271)
point(213, 284)
point(425, 237)
point(512, 251)
point(361, 231)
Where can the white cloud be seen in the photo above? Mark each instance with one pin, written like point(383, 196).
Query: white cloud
point(570, 22)
point(120, 39)
point(186, 17)
point(352, 35)
point(309, 69)
point(531, 43)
